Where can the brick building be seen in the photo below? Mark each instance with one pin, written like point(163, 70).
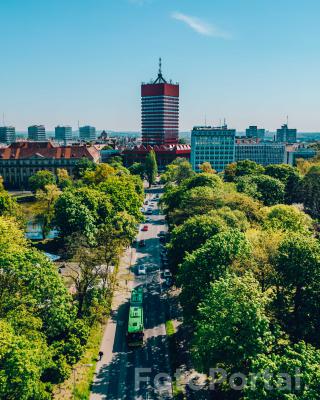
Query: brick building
point(21, 160)
point(165, 154)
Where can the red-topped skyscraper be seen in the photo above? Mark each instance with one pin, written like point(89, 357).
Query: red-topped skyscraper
point(160, 111)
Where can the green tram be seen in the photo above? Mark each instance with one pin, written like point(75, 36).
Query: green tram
point(135, 323)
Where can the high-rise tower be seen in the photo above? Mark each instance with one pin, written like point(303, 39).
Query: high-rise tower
point(160, 111)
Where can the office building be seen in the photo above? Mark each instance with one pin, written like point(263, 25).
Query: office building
point(215, 145)
point(87, 133)
point(37, 133)
point(254, 132)
point(262, 153)
point(296, 152)
point(160, 111)
point(63, 133)
point(286, 135)
point(21, 160)
point(7, 134)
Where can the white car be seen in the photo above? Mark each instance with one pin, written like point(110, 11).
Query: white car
point(142, 270)
point(167, 274)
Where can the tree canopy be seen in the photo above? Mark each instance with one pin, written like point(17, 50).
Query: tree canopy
point(151, 167)
point(40, 179)
point(232, 324)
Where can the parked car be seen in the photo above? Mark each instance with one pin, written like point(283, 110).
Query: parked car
point(164, 258)
point(163, 255)
point(142, 243)
point(147, 220)
point(167, 274)
point(162, 233)
point(145, 228)
point(169, 281)
point(142, 270)
point(146, 202)
point(149, 212)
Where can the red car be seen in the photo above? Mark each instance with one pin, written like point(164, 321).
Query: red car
point(145, 228)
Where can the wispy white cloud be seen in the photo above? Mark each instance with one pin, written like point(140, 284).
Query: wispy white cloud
point(200, 26)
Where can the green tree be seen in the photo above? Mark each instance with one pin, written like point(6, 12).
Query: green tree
point(225, 251)
point(99, 174)
point(286, 218)
point(45, 207)
point(63, 178)
point(123, 195)
point(265, 245)
point(242, 168)
point(301, 364)
point(311, 191)
point(176, 172)
point(23, 362)
point(81, 166)
point(298, 302)
point(192, 235)
point(9, 206)
point(40, 179)
point(204, 179)
point(39, 315)
point(232, 324)
point(81, 210)
point(207, 168)
point(137, 169)
point(151, 167)
point(262, 187)
point(290, 177)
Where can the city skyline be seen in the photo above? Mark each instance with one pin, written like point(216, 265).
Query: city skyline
point(252, 64)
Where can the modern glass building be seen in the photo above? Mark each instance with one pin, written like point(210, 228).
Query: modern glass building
point(286, 135)
point(63, 133)
point(160, 111)
point(37, 133)
point(7, 134)
point(254, 132)
point(87, 133)
point(261, 153)
point(215, 145)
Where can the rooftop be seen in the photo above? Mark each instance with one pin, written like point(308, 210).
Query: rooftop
point(47, 149)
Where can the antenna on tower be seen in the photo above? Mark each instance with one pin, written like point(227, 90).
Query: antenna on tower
point(287, 120)
point(3, 119)
point(160, 78)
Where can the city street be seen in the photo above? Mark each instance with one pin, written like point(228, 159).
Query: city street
point(115, 377)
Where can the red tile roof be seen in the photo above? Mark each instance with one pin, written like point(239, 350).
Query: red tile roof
point(164, 148)
point(21, 150)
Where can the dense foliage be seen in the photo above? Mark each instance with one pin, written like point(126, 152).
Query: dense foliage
point(43, 327)
point(246, 259)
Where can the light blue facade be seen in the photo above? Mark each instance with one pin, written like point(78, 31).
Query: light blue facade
point(261, 153)
point(87, 133)
point(63, 133)
point(215, 145)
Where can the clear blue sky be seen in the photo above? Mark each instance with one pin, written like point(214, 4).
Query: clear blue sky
point(250, 61)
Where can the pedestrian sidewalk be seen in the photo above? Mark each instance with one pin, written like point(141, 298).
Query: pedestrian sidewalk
point(121, 295)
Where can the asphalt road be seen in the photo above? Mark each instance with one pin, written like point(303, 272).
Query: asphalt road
point(117, 375)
